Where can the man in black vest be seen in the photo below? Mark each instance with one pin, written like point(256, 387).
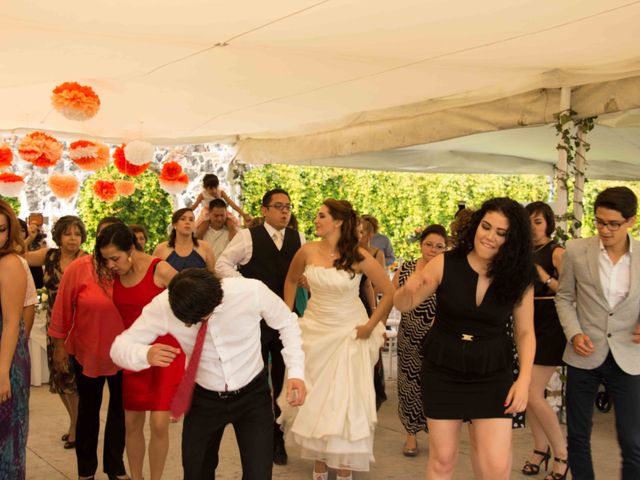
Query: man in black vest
point(264, 253)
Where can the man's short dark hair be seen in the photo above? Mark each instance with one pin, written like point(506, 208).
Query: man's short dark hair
point(620, 199)
point(266, 199)
point(194, 293)
point(217, 203)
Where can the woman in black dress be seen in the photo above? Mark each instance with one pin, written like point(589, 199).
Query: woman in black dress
point(467, 369)
point(550, 344)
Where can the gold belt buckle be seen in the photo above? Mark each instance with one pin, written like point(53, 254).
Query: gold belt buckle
point(467, 338)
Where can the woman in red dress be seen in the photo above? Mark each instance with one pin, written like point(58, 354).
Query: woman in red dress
point(137, 279)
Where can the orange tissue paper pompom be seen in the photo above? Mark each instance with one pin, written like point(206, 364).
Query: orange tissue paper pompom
point(63, 186)
point(10, 184)
point(105, 190)
point(125, 188)
point(40, 149)
point(6, 155)
point(88, 155)
point(176, 186)
point(125, 167)
point(75, 101)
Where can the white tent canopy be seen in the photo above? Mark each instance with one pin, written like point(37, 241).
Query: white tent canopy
point(304, 81)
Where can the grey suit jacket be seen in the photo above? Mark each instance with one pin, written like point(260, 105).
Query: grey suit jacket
point(583, 308)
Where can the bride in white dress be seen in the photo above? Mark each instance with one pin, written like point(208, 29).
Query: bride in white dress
point(335, 426)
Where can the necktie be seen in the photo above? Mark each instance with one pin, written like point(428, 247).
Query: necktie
point(277, 239)
point(182, 399)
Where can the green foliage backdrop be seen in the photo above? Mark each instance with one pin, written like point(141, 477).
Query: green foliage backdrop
point(402, 202)
point(13, 202)
point(149, 205)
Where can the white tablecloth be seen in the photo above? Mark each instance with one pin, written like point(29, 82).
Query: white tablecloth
point(38, 350)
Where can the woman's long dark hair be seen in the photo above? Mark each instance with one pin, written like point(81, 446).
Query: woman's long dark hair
point(118, 235)
point(174, 219)
point(348, 242)
point(511, 270)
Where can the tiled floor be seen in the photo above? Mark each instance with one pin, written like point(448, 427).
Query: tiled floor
point(47, 460)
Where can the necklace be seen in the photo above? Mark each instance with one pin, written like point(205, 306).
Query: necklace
point(540, 247)
point(328, 253)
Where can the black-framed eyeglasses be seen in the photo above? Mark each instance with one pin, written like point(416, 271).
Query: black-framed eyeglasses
point(612, 226)
point(283, 207)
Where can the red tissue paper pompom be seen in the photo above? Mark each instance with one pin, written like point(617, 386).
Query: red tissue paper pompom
point(10, 184)
point(172, 179)
point(125, 167)
point(6, 155)
point(105, 190)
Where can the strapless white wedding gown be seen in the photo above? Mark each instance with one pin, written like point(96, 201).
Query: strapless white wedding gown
point(337, 421)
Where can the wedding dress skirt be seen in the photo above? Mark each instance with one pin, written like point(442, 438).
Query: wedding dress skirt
point(337, 421)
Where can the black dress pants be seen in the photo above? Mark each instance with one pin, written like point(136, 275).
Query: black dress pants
point(272, 346)
point(88, 426)
point(250, 414)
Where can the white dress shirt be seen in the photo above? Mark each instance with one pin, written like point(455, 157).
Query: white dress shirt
point(240, 250)
point(231, 355)
point(615, 278)
point(218, 239)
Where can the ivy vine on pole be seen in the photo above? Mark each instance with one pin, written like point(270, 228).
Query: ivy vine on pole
point(573, 143)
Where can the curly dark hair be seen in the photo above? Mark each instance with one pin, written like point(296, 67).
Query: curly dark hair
point(118, 235)
point(174, 219)
point(348, 242)
point(65, 223)
point(512, 269)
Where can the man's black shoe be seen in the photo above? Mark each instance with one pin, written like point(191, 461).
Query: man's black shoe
point(279, 453)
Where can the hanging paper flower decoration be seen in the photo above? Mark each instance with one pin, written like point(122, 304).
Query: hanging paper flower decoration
point(40, 149)
point(10, 184)
point(125, 187)
point(138, 152)
point(105, 190)
point(75, 101)
point(89, 155)
point(63, 186)
point(6, 155)
point(125, 167)
point(172, 179)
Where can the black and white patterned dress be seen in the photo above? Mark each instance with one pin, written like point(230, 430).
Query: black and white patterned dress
point(414, 326)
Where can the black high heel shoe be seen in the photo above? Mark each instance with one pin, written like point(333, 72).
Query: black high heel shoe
point(558, 476)
point(533, 468)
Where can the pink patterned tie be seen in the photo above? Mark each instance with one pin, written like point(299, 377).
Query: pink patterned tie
point(182, 399)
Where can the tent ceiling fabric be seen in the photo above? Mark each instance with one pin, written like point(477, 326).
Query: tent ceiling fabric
point(305, 80)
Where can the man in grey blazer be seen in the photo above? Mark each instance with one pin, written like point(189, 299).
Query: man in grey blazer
point(598, 302)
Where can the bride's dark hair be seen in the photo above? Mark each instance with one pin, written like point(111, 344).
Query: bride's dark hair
point(348, 242)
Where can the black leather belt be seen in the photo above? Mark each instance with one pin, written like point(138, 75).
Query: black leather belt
point(234, 393)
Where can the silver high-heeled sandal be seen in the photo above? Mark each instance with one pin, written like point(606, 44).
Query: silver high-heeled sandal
point(320, 475)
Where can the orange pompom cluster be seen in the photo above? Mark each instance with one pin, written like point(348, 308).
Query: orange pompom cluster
point(172, 178)
point(125, 167)
point(6, 155)
point(75, 101)
point(88, 155)
point(125, 188)
point(105, 190)
point(40, 149)
point(63, 186)
point(10, 184)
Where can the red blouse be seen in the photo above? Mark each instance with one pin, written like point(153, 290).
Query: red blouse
point(85, 316)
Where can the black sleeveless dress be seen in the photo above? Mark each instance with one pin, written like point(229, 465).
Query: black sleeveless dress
point(467, 367)
point(550, 339)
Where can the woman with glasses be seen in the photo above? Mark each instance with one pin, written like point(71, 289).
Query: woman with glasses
point(414, 326)
point(550, 345)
